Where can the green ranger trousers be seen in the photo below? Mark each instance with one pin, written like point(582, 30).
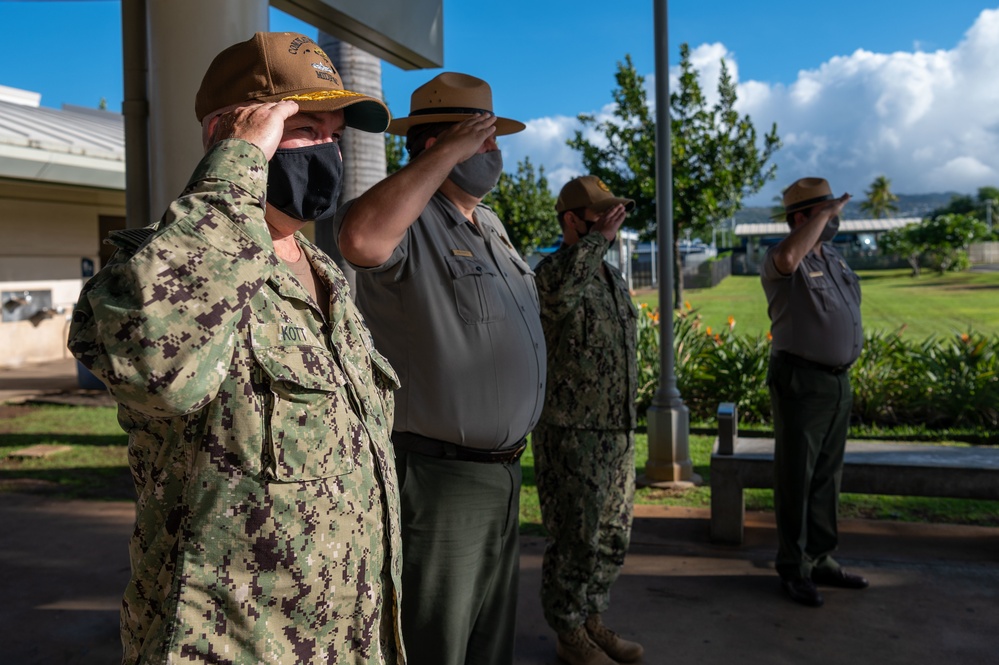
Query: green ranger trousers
point(811, 413)
point(461, 559)
point(586, 488)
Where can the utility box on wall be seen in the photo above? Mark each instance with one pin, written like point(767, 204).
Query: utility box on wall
point(27, 306)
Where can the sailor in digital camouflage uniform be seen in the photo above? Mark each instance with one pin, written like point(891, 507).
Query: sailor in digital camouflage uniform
point(258, 411)
point(584, 457)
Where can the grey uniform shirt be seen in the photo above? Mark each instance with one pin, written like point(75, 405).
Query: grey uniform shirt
point(455, 310)
point(815, 311)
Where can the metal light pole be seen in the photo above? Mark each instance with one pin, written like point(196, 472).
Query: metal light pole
point(668, 417)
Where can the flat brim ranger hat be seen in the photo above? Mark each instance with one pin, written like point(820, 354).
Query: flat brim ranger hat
point(451, 97)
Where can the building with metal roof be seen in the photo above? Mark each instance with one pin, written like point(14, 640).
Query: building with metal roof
point(62, 189)
point(780, 229)
point(856, 240)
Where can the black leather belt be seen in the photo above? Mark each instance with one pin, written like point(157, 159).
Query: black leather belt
point(798, 361)
point(423, 445)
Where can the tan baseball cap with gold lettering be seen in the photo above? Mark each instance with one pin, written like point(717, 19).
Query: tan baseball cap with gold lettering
point(589, 191)
point(277, 66)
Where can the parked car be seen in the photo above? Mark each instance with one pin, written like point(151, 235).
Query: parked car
point(694, 246)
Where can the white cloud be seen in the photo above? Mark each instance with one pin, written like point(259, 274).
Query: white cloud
point(929, 121)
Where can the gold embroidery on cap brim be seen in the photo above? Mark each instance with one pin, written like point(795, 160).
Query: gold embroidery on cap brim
point(321, 95)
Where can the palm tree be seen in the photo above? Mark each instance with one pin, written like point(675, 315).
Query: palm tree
point(363, 152)
point(880, 199)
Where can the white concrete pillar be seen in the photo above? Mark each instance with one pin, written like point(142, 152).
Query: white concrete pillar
point(183, 37)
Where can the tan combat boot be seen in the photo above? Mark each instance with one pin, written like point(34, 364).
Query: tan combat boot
point(619, 649)
point(576, 648)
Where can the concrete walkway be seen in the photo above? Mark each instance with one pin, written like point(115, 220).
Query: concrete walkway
point(934, 595)
point(55, 382)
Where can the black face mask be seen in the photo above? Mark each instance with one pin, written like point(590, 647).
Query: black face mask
point(831, 229)
point(304, 183)
point(588, 224)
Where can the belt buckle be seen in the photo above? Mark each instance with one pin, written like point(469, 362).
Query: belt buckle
point(516, 453)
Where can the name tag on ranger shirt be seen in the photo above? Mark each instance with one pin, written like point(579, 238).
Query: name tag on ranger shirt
point(815, 273)
point(461, 252)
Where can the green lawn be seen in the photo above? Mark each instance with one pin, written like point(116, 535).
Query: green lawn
point(926, 305)
point(96, 467)
point(897, 508)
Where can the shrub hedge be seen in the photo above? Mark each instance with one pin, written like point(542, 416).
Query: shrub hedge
point(938, 383)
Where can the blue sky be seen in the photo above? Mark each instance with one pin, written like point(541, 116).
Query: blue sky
point(857, 88)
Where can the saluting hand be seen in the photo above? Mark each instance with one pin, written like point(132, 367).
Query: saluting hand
point(610, 221)
point(260, 124)
point(469, 135)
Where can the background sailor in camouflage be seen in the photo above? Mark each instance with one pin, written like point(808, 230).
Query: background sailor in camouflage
point(584, 455)
point(258, 411)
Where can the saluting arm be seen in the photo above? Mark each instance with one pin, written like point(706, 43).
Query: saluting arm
point(378, 220)
point(793, 248)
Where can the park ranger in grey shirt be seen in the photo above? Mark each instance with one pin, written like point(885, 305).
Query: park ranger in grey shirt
point(454, 308)
point(814, 307)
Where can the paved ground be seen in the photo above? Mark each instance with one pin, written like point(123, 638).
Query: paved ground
point(56, 381)
point(934, 596)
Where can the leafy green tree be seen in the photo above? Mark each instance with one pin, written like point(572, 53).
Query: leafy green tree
point(526, 206)
point(940, 243)
point(963, 204)
point(717, 159)
point(906, 242)
point(395, 153)
point(881, 201)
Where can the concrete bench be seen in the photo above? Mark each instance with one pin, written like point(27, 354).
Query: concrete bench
point(905, 469)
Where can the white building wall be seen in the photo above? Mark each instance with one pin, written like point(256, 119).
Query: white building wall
point(46, 232)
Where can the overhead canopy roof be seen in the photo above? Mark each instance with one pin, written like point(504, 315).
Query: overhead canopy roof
point(407, 33)
point(72, 145)
point(845, 226)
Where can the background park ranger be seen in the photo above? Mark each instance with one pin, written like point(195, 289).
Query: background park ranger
point(258, 412)
point(813, 300)
point(584, 453)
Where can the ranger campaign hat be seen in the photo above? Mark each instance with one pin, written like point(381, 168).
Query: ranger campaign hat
point(451, 97)
point(277, 66)
point(589, 191)
point(803, 194)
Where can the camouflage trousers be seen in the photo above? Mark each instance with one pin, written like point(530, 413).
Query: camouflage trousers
point(586, 487)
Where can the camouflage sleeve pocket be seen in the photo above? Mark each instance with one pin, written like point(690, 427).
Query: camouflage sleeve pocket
point(310, 423)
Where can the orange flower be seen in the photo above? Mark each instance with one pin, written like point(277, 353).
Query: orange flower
point(708, 331)
point(654, 315)
point(718, 339)
point(965, 337)
point(731, 322)
point(686, 303)
point(770, 337)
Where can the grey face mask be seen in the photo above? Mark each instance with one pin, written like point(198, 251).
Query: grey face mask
point(832, 228)
point(479, 173)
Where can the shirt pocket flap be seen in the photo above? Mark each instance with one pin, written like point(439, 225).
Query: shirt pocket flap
point(310, 423)
point(465, 266)
point(384, 367)
point(307, 367)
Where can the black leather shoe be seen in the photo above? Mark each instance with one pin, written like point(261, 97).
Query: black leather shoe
point(802, 590)
point(839, 578)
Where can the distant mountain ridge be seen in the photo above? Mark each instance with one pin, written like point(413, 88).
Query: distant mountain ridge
point(909, 205)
